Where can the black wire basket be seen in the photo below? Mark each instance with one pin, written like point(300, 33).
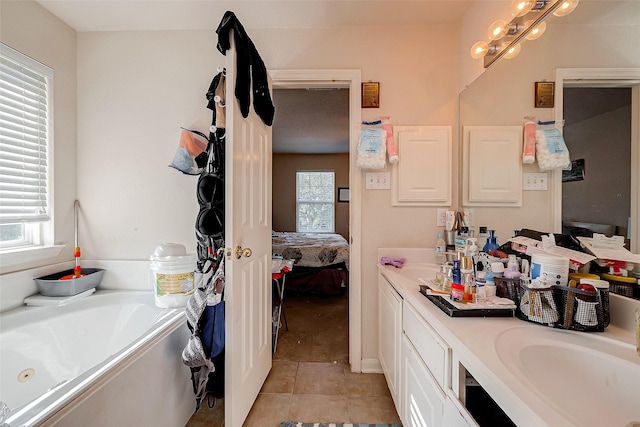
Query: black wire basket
point(558, 306)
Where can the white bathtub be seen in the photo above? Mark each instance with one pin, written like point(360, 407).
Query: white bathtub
point(111, 359)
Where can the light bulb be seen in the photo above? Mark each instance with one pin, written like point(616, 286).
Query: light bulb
point(537, 31)
point(498, 29)
point(479, 50)
point(566, 7)
point(521, 7)
point(512, 52)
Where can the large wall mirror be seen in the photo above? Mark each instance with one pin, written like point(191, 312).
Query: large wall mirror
point(601, 105)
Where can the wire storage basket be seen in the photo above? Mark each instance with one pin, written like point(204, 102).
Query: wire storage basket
point(558, 306)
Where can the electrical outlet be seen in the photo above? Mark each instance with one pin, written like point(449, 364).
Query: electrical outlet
point(469, 217)
point(378, 180)
point(534, 181)
point(441, 218)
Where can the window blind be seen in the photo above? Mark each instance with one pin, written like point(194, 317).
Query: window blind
point(24, 136)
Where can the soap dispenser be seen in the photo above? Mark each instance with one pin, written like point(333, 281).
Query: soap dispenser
point(492, 242)
point(472, 248)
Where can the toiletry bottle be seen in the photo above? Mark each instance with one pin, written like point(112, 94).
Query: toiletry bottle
point(482, 237)
point(492, 242)
point(472, 248)
point(512, 268)
point(455, 272)
point(441, 248)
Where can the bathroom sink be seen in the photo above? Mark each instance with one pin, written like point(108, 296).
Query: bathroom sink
point(415, 271)
point(591, 380)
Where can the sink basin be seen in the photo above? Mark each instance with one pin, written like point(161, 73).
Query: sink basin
point(592, 381)
point(415, 271)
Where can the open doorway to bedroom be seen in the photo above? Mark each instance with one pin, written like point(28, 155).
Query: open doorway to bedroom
point(310, 211)
point(348, 79)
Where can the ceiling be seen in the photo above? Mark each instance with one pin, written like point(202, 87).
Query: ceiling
point(311, 121)
point(143, 15)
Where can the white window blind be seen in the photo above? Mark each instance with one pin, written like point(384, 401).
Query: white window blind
point(315, 202)
point(24, 136)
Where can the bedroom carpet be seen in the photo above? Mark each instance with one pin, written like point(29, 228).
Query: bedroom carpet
point(311, 378)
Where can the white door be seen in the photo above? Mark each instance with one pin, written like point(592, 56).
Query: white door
point(247, 234)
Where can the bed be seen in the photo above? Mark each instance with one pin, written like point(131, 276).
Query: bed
point(320, 261)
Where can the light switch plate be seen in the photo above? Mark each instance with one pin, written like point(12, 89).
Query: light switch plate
point(378, 180)
point(441, 219)
point(534, 181)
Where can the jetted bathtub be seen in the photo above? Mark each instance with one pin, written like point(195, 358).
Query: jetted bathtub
point(110, 359)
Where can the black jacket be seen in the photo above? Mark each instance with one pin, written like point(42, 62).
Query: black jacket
point(251, 71)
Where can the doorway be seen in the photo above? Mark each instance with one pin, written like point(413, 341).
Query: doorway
point(603, 78)
point(351, 80)
point(597, 131)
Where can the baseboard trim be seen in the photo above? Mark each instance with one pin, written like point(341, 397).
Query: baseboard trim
point(371, 366)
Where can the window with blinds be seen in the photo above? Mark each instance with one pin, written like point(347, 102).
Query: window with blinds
point(24, 143)
point(315, 202)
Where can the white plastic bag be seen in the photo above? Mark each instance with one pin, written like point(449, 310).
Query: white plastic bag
point(551, 151)
point(372, 147)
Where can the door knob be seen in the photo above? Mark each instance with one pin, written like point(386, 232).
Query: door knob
point(240, 252)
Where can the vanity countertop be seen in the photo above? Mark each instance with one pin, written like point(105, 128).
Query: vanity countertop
point(481, 344)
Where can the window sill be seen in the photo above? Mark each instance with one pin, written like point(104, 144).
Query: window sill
point(29, 255)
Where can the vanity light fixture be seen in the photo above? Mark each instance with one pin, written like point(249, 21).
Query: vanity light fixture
point(536, 31)
point(566, 7)
point(528, 22)
point(512, 51)
point(521, 7)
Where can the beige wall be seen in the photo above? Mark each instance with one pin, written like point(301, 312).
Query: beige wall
point(285, 167)
point(32, 30)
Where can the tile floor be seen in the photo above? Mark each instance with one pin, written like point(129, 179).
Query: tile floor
point(310, 380)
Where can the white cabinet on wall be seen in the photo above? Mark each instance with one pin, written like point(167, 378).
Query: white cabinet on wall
point(389, 335)
point(492, 166)
point(423, 174)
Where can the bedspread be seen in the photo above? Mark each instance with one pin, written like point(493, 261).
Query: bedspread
point(311, 249)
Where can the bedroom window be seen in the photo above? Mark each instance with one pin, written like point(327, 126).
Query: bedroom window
point(25, 94)
point(315, 201)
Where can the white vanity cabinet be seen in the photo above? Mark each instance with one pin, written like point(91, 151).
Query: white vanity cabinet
point(422, 395)
point(389, 335)
point(417, 363)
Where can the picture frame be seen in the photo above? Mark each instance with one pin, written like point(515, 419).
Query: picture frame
point(576, 173)
point(371, 95)
point(544, 94)
point(343, 194)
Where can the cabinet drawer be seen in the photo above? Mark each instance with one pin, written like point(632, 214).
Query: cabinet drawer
point(431, 348)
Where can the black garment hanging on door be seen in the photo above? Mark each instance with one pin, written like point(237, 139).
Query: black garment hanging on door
point(251, 77)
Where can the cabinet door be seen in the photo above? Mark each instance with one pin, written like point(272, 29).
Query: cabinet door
point(423, 175)
point(422, 399)
point(455, 415)
point(492, 166)
point(389, 333)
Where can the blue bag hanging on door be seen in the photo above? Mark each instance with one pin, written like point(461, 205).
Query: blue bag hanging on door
point(212, 329)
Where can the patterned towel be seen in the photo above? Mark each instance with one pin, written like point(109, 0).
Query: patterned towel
point(299, 424)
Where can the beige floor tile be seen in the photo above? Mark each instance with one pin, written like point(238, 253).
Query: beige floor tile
point(320, 378)
point(282, 377)
point(366, 384)
point(318, 408)
point(269, 410)
point(372, 409)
